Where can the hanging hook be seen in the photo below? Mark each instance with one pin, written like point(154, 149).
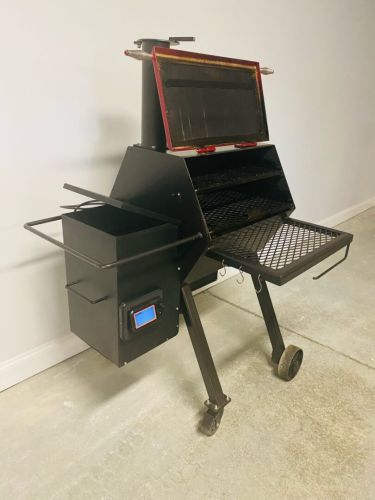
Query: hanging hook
point(242, 276)
point(224, 269)
point(260, 284)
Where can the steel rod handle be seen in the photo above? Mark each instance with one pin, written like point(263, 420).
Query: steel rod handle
point(334, 265)
point(140, 55)
point(267, 71)
point(30, 226)
point(69, 287)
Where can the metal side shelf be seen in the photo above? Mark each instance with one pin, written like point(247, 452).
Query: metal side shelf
point(278, 248)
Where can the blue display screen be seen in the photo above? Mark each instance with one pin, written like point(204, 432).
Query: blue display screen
point(145, 316)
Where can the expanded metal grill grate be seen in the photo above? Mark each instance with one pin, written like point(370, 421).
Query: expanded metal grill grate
point(237, 210)
point(233, 177)
point(209, 201)
point(275, 242)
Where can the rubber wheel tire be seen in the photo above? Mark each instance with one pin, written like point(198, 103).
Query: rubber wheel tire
point(211, 422)
point(290, 362)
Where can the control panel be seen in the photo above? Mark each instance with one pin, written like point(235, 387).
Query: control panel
point(140, 314)
point(144, 316)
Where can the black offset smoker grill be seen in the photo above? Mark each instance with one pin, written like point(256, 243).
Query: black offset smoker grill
point(172, 220)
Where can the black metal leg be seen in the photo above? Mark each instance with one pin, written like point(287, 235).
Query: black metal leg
point(216, 398)
point(265, 302)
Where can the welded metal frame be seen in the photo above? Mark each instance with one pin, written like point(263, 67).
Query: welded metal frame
point(269, 316)
point(30, 226)
point(154, 184)
point(293, 269)
point(216, 397)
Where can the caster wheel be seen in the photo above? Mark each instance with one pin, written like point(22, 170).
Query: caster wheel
point(290, 362)
point(211, 422)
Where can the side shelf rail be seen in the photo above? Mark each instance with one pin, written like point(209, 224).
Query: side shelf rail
point(279, 248)
point(30, 226)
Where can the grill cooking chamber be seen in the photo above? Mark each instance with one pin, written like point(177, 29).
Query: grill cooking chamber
point(245, 201)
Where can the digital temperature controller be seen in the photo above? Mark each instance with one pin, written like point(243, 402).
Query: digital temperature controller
point(141, 312)
point(144, 316)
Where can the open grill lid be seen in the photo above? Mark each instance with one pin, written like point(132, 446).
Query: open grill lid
point(209, 100)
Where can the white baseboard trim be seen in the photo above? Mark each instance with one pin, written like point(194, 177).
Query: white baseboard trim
point(38, 359)
point(46, 355)
point(348, 213)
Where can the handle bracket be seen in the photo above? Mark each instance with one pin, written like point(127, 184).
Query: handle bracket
point(69, 286)
point(30, 226)
point(334, 265)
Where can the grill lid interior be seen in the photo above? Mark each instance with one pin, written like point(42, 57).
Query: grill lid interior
point(209, 100)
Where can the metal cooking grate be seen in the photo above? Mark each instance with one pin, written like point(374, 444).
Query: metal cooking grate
point(275, 242)
point(209, 201)
point(233, 176)
point(236, 213)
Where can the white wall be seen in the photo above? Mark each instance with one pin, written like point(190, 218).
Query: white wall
point(70, 104)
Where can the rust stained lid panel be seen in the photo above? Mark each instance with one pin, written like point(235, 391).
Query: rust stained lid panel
point(209, 100)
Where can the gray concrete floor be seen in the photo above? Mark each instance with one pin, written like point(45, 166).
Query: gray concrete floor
point(85, 429)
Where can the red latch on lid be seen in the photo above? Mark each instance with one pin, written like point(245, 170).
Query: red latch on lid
point(245, 144)
point(207, 149)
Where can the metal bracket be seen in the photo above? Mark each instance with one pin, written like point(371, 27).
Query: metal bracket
point(70, 288)
point(93, 262)
point(177, 39)
point(172, 40)
point(215, 408)
point(201, 349)
point(114, 202)
point(334, 265)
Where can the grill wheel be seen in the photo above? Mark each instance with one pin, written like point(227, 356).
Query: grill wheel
point(211, 422)
point(290, 362)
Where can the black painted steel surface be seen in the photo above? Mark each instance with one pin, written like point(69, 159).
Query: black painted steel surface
point(168, 225)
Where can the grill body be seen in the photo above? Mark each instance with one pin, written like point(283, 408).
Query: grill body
point(246, 203)
point(239, 200)
point(172, 220)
